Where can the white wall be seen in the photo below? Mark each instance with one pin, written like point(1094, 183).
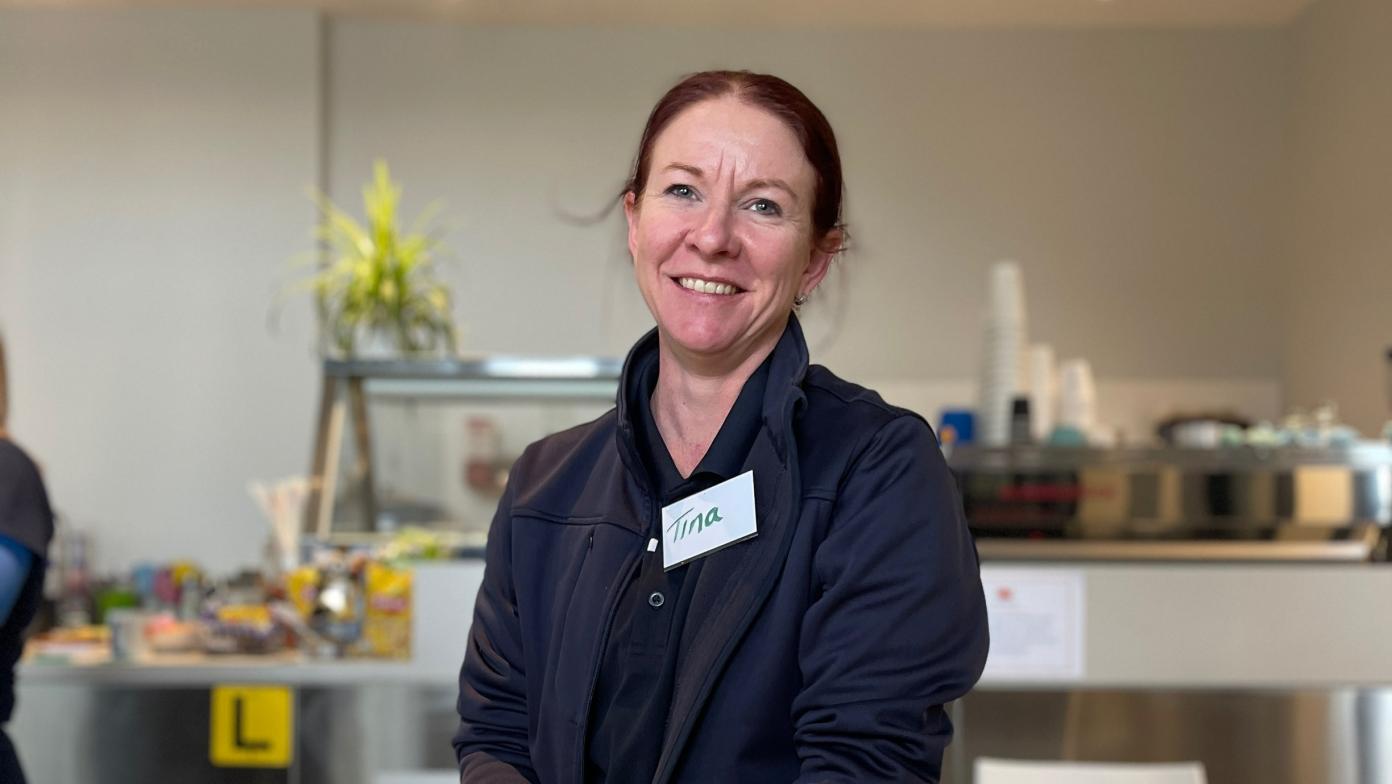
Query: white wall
point(1339, 309)
point(1135, 174)
point(152, 174)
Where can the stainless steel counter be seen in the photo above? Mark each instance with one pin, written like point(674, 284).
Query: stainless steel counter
point(288, 669)
point(140, 732)
point(1228, 626)
point(354, 721)
point(1269, 673)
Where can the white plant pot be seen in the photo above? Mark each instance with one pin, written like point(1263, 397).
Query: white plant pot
point(376, 344)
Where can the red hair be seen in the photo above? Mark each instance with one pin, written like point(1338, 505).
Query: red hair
point(778, 98)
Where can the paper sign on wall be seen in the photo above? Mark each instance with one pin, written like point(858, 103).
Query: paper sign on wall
point(1038, 623)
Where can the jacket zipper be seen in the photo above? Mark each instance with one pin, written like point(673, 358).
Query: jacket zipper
point(665, 773)
point(597, 658)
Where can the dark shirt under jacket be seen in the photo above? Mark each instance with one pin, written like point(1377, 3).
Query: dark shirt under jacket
point(634, 690)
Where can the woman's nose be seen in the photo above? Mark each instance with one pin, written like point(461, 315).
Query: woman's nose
point(714, 236)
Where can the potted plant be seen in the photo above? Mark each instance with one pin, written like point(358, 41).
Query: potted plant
point(376, 288)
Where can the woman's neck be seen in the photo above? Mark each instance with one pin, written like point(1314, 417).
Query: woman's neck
point(692, 400)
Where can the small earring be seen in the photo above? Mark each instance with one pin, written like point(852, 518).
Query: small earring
point(800, 300)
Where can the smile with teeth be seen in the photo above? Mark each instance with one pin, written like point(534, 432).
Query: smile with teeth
point(707, 286)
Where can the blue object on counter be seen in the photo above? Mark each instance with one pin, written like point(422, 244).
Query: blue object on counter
point(1067, 436)
point(143, 576)
point(1343, 437)
point(957, 426)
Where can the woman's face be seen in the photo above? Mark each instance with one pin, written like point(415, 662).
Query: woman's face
point(721, 235)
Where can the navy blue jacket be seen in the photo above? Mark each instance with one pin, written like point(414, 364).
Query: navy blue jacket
point(821, 650)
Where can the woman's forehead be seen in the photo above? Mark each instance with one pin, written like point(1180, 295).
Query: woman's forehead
point(725, 137)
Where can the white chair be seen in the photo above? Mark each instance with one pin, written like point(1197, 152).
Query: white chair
point(1003, 771)
point(417, 777)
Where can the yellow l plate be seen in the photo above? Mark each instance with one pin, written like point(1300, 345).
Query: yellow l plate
point(252, 727)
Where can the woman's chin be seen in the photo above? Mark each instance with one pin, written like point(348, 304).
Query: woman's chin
point(702, 338)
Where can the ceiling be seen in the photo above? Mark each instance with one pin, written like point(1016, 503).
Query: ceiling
point(859, 14)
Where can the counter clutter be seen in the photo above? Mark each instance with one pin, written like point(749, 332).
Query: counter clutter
point(344, 603)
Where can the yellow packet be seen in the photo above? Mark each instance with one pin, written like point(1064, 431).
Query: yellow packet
point(244, 614)
point(302, 585)
point(387, 625)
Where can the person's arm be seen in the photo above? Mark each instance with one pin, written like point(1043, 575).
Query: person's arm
point(899, 628)
point(15, 561)
point(491, 744)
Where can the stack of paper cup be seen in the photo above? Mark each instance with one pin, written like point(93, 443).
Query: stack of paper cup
point(1042, 386)
point(1077, 403)
point(1002, 370)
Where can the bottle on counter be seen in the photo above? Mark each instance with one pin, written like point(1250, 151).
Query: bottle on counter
point(1387, 428)
point(75, 581)
point(337, 615)
point(1021, 432)
point(484, 456)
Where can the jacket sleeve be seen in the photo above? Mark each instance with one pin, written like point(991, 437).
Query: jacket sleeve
point(898, 628)
point(491, 744)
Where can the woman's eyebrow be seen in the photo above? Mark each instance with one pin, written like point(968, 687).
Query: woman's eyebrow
point(694, 171)
point(772, 182)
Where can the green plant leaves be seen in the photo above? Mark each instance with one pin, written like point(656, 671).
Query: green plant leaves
point(378, 278)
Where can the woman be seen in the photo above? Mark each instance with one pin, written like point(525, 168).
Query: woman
point(821, 649)
point(26, 526)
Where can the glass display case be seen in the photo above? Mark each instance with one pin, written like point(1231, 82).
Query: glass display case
point(428, 444)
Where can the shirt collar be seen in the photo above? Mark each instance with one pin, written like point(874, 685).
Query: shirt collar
point(782, 396)
point(726, 456)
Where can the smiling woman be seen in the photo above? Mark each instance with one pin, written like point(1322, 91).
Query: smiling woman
point(827, 605)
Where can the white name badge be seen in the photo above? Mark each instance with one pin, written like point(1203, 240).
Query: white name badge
point(709, 520)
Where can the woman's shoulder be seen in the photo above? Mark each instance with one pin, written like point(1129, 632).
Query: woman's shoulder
point(27, 517)
point(856, 409)
point(569, 444)
point(842, 420)
point(552, 470)
point(16, 467)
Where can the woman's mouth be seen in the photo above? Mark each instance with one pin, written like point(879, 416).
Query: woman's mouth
point(703, 286)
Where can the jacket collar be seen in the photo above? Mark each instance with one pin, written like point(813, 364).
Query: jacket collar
point(787, 368)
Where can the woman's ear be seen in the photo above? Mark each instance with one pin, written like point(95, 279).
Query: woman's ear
point(820, 262)
point(630, 205)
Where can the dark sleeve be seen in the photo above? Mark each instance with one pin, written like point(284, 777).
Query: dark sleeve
point(491, 744)
point(25, 515)
point(15, 560)
point(899, 628)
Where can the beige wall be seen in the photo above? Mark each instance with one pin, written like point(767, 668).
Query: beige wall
point(1134, 174)
point(152, 174)
point(153, 165)
point(1339, 309)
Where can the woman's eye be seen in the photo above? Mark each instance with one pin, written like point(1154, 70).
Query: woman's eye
point(765, 207)
point(681, 191)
